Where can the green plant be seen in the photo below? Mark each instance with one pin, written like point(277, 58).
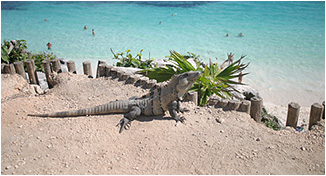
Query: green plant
point(215, 79)
point(270, 121)
point(39, 57)
point(127, 60)
point(11, 52)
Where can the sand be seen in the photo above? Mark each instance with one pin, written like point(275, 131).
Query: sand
point(211, 142)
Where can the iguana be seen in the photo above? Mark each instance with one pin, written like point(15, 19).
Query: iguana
point(155, 103)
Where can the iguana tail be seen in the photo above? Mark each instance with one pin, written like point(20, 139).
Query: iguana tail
point(110, 108)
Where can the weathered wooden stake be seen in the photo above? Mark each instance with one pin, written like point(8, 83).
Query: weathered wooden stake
point(151, 83)
point(293, 114)
point(87, 69)
point(2, 67)
point(31, 71)
point(192, 96)
point(315, 114)
point(113, 72)
point(108, 70)
point(71, 67)
point(233, 105)
point(324, 110)
point(101, 70)
point(125, 76)
point(256, 108)
point(19, 66)
point(222, 103)
point(245, 106)
point(56, 66)
point(48, 73)
point(9, 69)
point(132, 79)
point(98, 69)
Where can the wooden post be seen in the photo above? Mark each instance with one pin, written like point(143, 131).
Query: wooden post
point(56, 67)
point(324, 110)
point(31, 71)
point(113, 72)
point(233, 105)
point(222, 103)
point(132, 79)
point(98, 69)
point(19, 66)
point(48, 73)
point(293, 114)
point(315, 114)
point(9, 69)
point(2, 67)
point(120, 73)
point(142, 81)
point(87, 69)
point(256, 108)
point(151, 83)
point(125, 76)
point(192, 96)
point(108, 70)
point(101, 70)
point(245, 106)
point(71, 67)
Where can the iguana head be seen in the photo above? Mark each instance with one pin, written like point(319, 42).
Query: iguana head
point(183, 82)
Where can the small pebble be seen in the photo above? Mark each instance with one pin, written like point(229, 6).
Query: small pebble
point(302, 148)
point(258, 139)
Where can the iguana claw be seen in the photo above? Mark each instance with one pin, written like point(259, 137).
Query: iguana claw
point(124, 124)
point(180, 119)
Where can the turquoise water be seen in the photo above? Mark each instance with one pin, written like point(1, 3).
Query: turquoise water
point(284, 41)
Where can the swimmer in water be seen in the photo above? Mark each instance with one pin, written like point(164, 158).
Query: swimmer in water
point(85, 27)
point(49, 45)
point(241, 35)
point(227, 35)
point(93, 32)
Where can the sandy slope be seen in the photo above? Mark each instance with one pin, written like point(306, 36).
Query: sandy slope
point(153, 145)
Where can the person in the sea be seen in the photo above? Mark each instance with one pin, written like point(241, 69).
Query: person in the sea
point(85, 27)
point(45, 20)
point(49, 45)
point(227, 35)
point(240, 77)
point(241, 35)
point(160, 22)
point(93, 32)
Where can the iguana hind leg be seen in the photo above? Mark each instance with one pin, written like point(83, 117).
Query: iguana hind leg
point(126, 121)
point(174, 107)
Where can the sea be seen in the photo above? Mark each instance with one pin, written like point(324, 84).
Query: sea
point(284, 41)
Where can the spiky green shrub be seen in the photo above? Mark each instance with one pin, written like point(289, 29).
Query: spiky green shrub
point(215, 79)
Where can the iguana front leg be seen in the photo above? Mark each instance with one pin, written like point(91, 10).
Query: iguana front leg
point(174, 107)
point(126, 121)
point(179, 109)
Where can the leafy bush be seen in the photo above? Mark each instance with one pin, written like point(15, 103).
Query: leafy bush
point(127, 60)
point(17, 53)
point(39, 57)
point(214, 80)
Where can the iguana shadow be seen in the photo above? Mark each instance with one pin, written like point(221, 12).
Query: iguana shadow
point(151, 118)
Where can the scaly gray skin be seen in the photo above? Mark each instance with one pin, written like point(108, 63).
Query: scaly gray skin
point(155, 103)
